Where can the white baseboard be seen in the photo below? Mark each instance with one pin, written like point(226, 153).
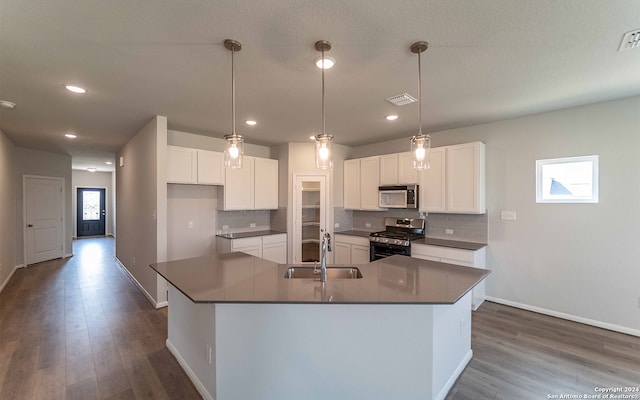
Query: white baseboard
point(196, 382)
point(6, 281)
point(142, 289)
point(162, 304)
point(452, 380)
point(570, 317)
point(68, 255)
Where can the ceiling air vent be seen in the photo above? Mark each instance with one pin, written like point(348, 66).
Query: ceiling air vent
point(631, 40)
point(401, 99)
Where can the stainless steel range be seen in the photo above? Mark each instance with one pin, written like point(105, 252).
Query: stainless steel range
point(396, 238)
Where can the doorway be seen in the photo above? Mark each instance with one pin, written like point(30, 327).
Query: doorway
point(310, 199)
point(90, 212)
point(43, 217)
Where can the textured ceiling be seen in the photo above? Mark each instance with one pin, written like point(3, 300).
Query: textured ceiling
point(488, 60)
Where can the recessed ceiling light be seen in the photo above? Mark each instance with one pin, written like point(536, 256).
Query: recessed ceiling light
point(76, 89)
point(70, 135)
point(250, 122)
point(108, 162)
point(392, 117)
point(92, 169)
point(329, 62)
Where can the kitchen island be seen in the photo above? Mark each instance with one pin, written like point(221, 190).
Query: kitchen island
point(241, 330)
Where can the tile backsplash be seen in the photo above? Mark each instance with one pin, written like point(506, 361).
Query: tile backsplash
point(464, 227)
point(241, 221)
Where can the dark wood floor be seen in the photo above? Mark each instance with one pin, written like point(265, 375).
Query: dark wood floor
point(79, 329)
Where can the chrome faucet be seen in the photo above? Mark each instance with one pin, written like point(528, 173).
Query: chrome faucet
point(326, 245)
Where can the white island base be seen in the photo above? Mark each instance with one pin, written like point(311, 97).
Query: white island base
point(320, 351)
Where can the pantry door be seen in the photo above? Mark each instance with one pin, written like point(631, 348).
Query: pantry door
point(43, 216)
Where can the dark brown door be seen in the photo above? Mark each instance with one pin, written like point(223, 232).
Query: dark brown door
point(91, 213)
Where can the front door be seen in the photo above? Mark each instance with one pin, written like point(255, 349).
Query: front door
point(91, 212)
point(44, 217)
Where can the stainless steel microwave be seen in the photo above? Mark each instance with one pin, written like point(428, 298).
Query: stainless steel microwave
point(405, 196)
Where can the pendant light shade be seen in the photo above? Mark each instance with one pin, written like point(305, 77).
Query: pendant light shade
point(234, 149)
point(420, 143)
point(324, 142)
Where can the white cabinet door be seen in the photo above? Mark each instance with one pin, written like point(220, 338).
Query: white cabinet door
point(182, 165)
point(239, 186)
point(465, 169)
point(266, 184)
point(210, 167)
point(351, 184)
point(359, 254)
point(432, 183)
point(407, 175)
point(342, 253)
point(369, 183)
point(275, 252)
point(389, 169)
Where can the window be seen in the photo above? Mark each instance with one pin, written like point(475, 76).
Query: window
point(567, 180)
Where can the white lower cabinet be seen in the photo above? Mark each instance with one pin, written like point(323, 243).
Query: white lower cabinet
point(449, 255)
point(269, 247)
point(350, 249)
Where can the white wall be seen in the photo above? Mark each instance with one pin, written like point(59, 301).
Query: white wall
point(580, 261)
point(7, 210)
point(86, 179)
point(141, 192)
point(192, 140)
point(40, 163)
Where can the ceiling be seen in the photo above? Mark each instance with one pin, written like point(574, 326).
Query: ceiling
point(487, 60)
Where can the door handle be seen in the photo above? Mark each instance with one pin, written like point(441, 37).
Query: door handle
point(30, 226)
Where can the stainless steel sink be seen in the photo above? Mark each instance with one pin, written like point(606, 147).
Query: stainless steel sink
point(300, 272)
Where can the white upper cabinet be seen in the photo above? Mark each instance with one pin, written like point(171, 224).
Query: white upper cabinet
point(266, 184)
point(186, 165)
point(455, 181)
point(397, 169)
point(432, 183)
point(465, 178)
point(182, 165)
point(252, 187)
point(361, 181)
point(210, 167)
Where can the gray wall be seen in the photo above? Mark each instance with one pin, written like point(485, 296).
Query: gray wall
point(86, 179)
point(141, 192)
point(7, 209)
point(577, 260)
point(40, 163)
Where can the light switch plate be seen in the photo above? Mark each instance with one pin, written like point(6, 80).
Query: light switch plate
point(508, 215)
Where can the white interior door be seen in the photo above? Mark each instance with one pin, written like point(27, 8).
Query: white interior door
point(43, 218)
point(310, 216)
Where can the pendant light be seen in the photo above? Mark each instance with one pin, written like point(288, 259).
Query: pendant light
point(420, 143)
point(234, 149)
point(324, 142)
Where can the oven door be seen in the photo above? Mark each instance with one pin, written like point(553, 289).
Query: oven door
point(378, 251)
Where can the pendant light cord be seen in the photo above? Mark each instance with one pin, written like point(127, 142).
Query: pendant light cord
point(233, 97)
point(323, 132)
point(419, 95)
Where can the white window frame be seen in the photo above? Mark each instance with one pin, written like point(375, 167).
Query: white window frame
point(593, 198)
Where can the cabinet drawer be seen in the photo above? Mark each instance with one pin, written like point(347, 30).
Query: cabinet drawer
point(273, 239)
point(349, 239)
point(238, 244)
point(450, 254)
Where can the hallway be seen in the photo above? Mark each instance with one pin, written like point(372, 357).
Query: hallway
point(78, 328)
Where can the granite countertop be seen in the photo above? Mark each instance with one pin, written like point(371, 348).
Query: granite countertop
point(241, 278)
point(240, 235)
point(456, 244)
point(354, 233)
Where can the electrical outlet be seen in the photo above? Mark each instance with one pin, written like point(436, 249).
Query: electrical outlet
point(134, 261)
point(190, 224)
point(448, 231)
point(508, 215)
point(336, 225)
point(252, 225)
point(367, 225)
point(225, 226)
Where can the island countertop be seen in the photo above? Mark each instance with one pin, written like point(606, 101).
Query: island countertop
point(241, 278)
